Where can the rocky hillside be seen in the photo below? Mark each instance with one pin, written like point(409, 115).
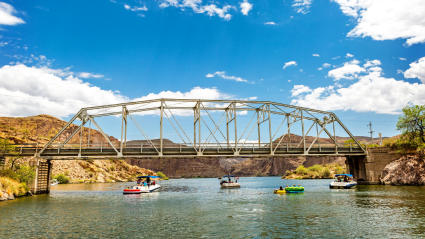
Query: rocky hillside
point(39, 129)
point(213, 167)
point(408, 170)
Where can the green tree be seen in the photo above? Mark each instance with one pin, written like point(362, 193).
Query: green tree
point(412, 123)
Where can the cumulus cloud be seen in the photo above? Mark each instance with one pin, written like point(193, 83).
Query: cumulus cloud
point(198, 7)
point(299, 89)
point(245, 7)
point(302, 6)
point(387, 20)
point(7, 17)
point(349, 55)
point(31, 90)
point(270, 23)
point(369, 91)
point(349, 70)
point(222, 74)
point(416, 70)
point(402, 59)
point(316, 55)
point(289, 63)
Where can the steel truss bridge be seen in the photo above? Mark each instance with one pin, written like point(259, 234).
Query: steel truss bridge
point(230, 128)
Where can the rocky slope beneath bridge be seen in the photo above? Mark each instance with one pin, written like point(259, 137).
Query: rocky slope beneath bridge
point(407, 170)
point(41, 128)
point(216, 167)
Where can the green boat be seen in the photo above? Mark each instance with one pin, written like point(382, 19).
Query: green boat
point(294, 189)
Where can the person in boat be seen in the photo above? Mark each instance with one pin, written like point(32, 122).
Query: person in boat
point(148, 180)
point(280, 188)
point(139, 180)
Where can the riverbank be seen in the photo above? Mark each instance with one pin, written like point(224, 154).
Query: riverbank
point(10, 188)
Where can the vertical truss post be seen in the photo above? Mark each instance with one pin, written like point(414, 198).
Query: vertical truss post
point(197, 126)
point(302, 128)
point(81, 138)
point(236, 129)
point(227, 128)
point(317, 133)
point(123, 128)
point(161, 126)
point(287, 141)
point(258, 128)
point(270, 130)
point(88, 137)
point(333, 126)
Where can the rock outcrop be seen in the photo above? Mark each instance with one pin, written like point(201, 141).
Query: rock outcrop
point(215, 167)
point(408, 170)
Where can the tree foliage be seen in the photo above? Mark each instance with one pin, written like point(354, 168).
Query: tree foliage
point(412, 124)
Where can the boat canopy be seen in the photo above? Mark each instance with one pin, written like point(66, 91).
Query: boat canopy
point(344, 174)
point(148, 176)
point(229, 176)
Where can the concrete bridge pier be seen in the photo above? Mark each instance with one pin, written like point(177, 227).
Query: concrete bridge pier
point(367, 169)
point(43, 171)
point(357, 167)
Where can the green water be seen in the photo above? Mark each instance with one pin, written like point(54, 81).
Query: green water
point(198, 208)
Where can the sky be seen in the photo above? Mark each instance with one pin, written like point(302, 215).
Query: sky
point(363, 60)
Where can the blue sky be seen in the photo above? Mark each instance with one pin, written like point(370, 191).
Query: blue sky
point(361, 61)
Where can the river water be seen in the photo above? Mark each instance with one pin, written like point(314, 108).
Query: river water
point(198, 208)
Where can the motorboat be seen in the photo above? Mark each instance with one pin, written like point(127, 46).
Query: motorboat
point(229, 181)
point(145, 184)
point(54, 182)
point(345, 181)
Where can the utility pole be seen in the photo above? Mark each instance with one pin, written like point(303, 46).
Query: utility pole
point(370, 131)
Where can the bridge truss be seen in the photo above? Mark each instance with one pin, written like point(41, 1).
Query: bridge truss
point(201, 128)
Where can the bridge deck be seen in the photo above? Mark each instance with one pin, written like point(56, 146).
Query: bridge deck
point(184, 152)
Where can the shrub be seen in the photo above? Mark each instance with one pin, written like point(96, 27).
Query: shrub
point(301, 170)
point(62, 179)
point(12, 186)
point(162, 175)
point(25, 174)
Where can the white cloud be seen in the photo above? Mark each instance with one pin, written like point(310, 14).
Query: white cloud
point(326, 65)
point(198, 7)
point(402, 59)
point(7, 15)
point(26, 90)
point(299, 89)
point(349, 55)
point(245, 7)
point(270, 23)
point(416, 70)
point(135, 8)
point(349, 70)
point(387, 19)
point(289, 63)
point(302, 6)
point(222, 74)
point(88, 75)
point(316, 55)
point(370, 92)
point(32, 90)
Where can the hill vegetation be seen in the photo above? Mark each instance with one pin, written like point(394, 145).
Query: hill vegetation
point(316, 171)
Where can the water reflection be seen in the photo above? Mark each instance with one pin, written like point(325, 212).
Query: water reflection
point(198, 208)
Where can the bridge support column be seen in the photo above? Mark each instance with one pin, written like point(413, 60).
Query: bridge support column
point(357, 167)
point(43, 170)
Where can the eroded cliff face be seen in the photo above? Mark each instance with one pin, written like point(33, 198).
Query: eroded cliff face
point(408, 170)
point(216, 167)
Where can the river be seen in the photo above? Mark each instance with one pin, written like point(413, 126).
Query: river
point(198, 208)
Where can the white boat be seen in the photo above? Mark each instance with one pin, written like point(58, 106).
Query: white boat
point(344, 181)
point(229, 183)
point(54, 182)
point(147, 186)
